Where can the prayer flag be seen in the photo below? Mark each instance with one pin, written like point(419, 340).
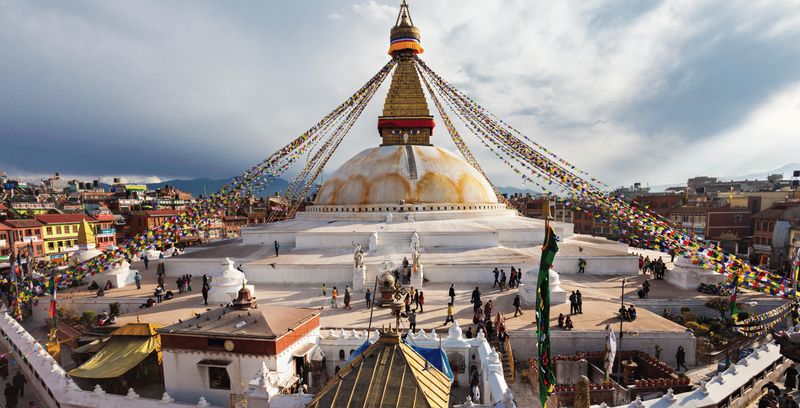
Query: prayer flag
point(546, 375)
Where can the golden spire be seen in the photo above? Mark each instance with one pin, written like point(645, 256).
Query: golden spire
point(85, 234)
point(406, 119)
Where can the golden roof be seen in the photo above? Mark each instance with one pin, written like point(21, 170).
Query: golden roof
point(405, 97)
point(85, 233)
point(387, 374)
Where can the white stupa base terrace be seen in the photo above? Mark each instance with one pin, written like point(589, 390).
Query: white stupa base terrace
point(686, 275)
point(456, 246)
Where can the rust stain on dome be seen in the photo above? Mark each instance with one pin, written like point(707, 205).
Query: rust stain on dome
point(381, 175)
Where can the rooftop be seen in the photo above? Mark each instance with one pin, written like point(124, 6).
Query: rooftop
point(266, 322)
point(63, 218)
point(23, 223)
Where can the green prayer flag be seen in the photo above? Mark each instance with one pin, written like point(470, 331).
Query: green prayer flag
point(546, 375)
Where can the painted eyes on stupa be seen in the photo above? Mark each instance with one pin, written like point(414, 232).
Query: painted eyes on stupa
point(405, 131)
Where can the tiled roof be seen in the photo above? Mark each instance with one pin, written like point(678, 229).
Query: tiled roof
point(63, 218)
point(23, 223)
point(266, 322)
point(387, 374)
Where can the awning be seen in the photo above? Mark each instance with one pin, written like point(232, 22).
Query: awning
point(214, 363)
point(119, 355)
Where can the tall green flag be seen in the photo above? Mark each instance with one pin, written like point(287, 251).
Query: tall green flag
point(546, 377)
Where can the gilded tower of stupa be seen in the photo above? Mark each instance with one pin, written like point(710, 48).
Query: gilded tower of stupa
point(406, 119)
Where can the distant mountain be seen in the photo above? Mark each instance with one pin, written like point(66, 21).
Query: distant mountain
point(509, 191)
point(786, 170)
point(200, 186)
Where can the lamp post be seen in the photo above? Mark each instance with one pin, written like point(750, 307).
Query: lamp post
point(621, 320)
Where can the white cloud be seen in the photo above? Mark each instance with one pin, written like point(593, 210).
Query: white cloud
point(335, 16)
point(375, 11)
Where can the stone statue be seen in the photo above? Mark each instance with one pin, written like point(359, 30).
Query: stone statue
point(389, 218)
point(415, 257)
point(373, 242)
point(414, 241)
point(582, 399)
point(358, 255)
point(410, 217)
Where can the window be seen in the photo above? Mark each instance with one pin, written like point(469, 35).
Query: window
point(74, 228)
point(341, 354)
point(218, 378)
point(49, 230)
point(58, 229)
point(50, 246)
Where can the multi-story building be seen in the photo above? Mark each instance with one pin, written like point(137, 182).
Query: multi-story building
point(730, 227)
point(142, 221)
point(233, 225)
point(693, 218)
point(773, 224)
point(26, 235)
point(661, 203)
point(105, 232)
point(5, 242)
point(60, 231)
point(25, 209)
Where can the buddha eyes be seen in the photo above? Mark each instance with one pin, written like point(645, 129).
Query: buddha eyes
point(410, 132)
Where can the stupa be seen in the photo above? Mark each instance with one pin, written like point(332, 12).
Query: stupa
point(404, 198)
point(226, 284)
point(87, 248)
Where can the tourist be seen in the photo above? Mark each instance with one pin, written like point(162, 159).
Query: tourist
point(169, 295)
point(179, 282)
point(477, 317)
point(412, 321)
point(347, 295)
point(519, 276)
point(791, 379)
point(469, 332)
point(407, 302)
point(623, 313)
point(581, 265)
point(680, 359)
point(324, 290)
point(161, 255)
point(148, 303)
point(672, 253)
point(138, 279)
point(146, 261)
point(769, 400)
point(512, 280)
point(568, 323)
point(487, 324)
point(452, 294)
point(503, 280)
point(786, 401)
point(573, 303)
point(368, 298)
point(502, 335)
point(496, 273)
point(416, 300)
point(334, 295)
point(277, 247)
point(641, 263)
point(158, 293)
point(561, 320)
point(94, 286)
point(475, 299)
point(421, 301)
point(204, 291)
point(109, 285)
point(517, 304)
point(160, 280)
point(101, 292)
point(487, 309)
point(19, 383)
point(646, 287)
point(631, 313)
point(449, 314)
point(11, 395)
point(578, 302)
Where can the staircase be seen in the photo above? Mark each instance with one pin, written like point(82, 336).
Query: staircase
point(507, 359)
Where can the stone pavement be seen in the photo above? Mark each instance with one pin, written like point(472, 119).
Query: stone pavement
point(28, 398)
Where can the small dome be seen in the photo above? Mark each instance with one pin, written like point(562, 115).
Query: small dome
point(413, 174)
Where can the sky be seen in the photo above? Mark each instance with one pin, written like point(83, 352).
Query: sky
point(651, 91)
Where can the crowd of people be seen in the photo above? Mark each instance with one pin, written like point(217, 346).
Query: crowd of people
point(657, 267)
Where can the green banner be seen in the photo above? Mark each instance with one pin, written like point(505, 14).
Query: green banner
point(546, 376)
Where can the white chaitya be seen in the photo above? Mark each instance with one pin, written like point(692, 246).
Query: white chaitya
point(225, 285)
point(527, 291)
point(120, 275)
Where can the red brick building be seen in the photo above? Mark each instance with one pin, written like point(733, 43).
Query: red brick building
point(764, 250)
point(26, 234)
point(142, 221)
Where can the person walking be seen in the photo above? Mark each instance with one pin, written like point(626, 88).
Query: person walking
point(790, 383)
point(503, 280)
point(573, 303)
point(180, 283)
point(347, 295)
point(496, 277)
point(19, 383)
point(146, 261)
point(277, 247)
point(487, 309)
point(581, 265)
point(412, 321)
point(452, 294)
point(680, 359)
point(334, 295)
point(11, 395)
point(205, 294)
point(449, 314)
point(368, 298)
point(578, 302)
point(416, 300)
point(421, 301)
point(475, 299)
point(138, 279)
point(407, 302)
point(517, 303)
point(324, 290)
